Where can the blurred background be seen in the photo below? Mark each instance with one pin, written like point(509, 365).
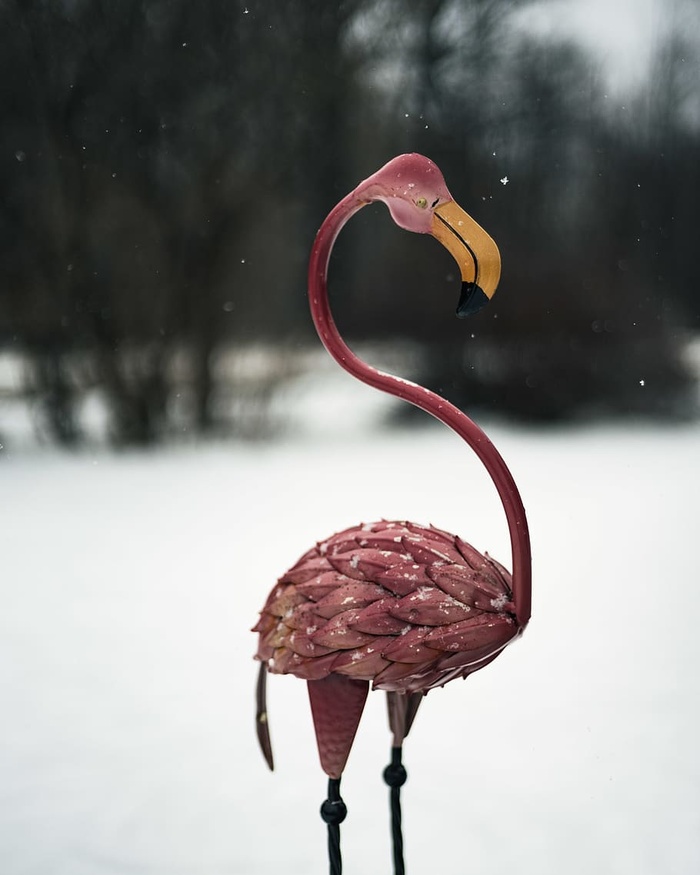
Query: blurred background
point(165, 165)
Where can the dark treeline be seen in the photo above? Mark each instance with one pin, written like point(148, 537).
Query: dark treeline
point(165, 165)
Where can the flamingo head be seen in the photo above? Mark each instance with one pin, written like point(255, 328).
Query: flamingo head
point(414, 190)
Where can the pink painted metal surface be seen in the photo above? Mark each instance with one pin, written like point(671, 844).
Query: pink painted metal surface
point(337, 703)
point(403, 606)
point(395, 605)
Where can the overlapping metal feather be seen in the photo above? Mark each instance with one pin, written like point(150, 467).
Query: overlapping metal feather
point(405, 606)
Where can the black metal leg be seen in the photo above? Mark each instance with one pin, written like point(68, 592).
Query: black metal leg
point(395, 776)
point(333, 812)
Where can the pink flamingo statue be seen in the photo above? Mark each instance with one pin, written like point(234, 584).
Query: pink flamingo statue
point(401, 606)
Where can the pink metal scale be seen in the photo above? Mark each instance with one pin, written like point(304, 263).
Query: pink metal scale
point(392, 604)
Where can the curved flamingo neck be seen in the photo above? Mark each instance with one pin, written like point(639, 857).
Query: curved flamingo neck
point(423, 398)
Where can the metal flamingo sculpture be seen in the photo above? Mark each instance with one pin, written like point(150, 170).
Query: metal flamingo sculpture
point(401, 606)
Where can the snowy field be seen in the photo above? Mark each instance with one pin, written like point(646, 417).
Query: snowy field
point(129, 584)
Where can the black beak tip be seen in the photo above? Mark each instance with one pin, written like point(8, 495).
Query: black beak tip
point(471, 300)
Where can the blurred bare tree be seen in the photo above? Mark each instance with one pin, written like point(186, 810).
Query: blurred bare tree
point(586, 200)
point(165, 165)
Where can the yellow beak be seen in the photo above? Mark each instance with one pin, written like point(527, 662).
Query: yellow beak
point(474, 251)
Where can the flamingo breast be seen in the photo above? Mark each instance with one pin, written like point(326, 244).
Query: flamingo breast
point(405, 606)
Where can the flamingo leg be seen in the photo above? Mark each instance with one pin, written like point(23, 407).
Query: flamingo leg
point(402, 708)
point(333, 812)
point(337, 703)
point(395, 776)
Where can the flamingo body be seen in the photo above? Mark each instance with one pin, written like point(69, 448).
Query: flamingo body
point(397, 605)
point(403, 606)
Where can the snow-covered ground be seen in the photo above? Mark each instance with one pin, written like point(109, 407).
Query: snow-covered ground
point(129, 584)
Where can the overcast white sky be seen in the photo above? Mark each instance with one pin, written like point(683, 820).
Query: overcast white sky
point(624, 33)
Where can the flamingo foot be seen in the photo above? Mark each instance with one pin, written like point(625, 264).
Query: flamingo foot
point(337, 703)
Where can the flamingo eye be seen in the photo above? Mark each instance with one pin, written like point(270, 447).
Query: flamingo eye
point(421, 202)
